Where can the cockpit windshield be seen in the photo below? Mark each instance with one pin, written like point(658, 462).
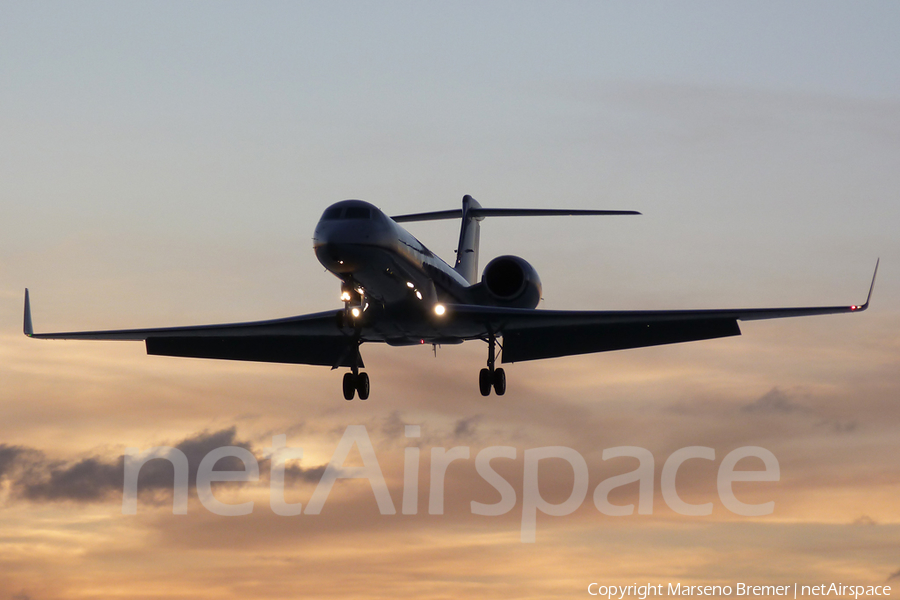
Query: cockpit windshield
point(349, 212)
point(332, 213)
point(357, 212)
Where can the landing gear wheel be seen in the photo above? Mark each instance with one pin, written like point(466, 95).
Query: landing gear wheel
point(362, 386)
point(350, 386)
point(484, 382)
point(499, 382)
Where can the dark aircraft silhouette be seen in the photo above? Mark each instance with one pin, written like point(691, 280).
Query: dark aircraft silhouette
point(397, 291)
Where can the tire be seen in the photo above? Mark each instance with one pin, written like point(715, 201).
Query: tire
point(362, 386)
point(484, 382)
point(499, 382)
point(349, 386)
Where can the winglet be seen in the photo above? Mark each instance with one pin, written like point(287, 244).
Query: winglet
point(27, 328)
point(871, 286)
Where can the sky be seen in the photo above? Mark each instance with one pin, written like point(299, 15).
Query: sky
point(165, 164)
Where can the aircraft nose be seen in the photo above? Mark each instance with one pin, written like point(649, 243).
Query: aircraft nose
point(347, 235)
point(339, 258)
point(341, 249)
point(343, 232)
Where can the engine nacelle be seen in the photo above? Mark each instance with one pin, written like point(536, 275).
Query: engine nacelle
point(511, 281)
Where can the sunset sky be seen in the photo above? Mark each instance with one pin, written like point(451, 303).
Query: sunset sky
point(165, 164)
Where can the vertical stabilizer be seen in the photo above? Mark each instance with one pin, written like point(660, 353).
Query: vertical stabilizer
point(469, 233)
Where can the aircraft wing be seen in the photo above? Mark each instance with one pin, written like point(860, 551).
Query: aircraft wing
point(312, 339)
point(530, 334)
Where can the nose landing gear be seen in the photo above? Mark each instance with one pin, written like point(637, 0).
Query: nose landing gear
point(491, 377)
point(355, 382)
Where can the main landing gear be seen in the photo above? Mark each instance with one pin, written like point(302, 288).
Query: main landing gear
point(490, 377)
point(356, 383)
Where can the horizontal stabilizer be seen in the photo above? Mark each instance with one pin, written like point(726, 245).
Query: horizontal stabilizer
point(429, 216)
point(480, 213)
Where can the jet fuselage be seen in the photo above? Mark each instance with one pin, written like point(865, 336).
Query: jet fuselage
point(367, 250)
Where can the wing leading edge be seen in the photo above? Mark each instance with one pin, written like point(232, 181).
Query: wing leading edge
point(534, 334)
point(528, 334)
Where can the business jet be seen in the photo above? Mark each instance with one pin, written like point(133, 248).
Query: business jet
point(398, 292)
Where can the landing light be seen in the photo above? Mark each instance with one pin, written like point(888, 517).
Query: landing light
point(418, 294)
point(410, 284)
point(345, 296)
point(354, 311)
point(439, 309)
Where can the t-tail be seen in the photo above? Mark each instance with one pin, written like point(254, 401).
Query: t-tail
point(473, 213)
point(469, 235)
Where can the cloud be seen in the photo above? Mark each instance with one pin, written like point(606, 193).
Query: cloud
point(87, 480)
point(773, 401)
point(841, 426)
point(8, 456)
point(465, 428)
point(294, 473)
point(394, 426)
point(35, 478)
